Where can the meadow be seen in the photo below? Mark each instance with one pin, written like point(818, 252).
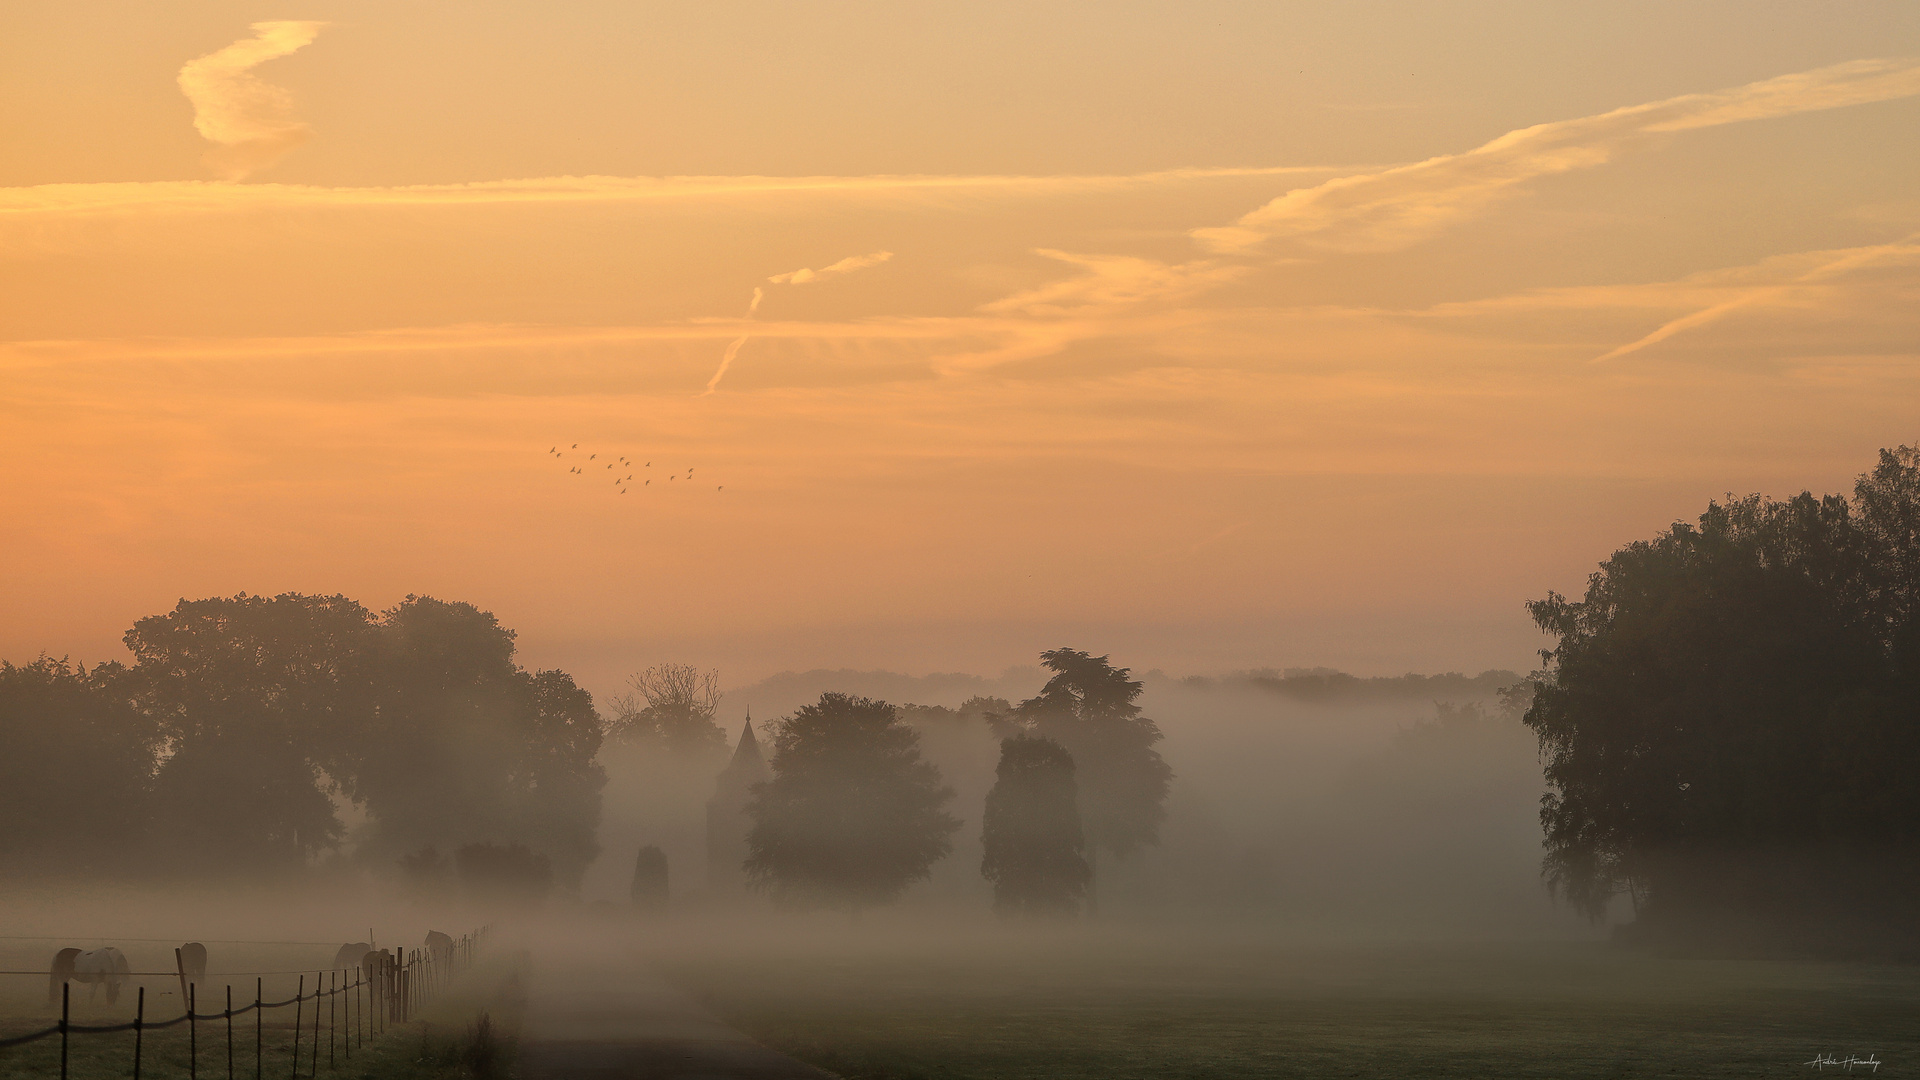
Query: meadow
point(1106, 1006)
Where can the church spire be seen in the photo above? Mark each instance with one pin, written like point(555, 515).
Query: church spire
point(747, 758)
point(728, 823)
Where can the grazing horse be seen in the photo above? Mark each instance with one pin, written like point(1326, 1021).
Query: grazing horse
point(439, 946)
point(191, 961)
point(95, 967)
point(351, 955)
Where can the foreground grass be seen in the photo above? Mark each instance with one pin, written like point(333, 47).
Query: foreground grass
point(1096, 1008)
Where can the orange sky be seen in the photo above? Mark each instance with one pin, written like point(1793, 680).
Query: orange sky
point(1214, 335)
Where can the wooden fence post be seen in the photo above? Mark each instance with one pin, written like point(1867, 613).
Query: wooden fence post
point(66, 991)
point(259, 996)
point(193, 1036)
point(229, 1031)
point(139, 1028)
point(312, 1069)
point(298, 996)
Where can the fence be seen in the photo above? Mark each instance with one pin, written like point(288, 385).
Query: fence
point(379, 995)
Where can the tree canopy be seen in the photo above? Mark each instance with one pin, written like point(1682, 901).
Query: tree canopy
point(1088, 707)
point(242, 719)
point(1730, 718)
point(1035, 853)
point(852, 815)
point(77, 761)
point(672, 708)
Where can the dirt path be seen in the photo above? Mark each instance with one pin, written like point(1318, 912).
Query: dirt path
point(605, 1018)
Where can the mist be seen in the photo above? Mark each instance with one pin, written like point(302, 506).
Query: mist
point(1310, 801)
point(1353, 853)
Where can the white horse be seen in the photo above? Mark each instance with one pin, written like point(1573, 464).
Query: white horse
point(191, 960)
point(96, 967)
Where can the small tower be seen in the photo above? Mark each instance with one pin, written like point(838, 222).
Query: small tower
point(727, 821)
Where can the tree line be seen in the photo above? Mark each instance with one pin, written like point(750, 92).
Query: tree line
point(245, 725)
point(1729, 722)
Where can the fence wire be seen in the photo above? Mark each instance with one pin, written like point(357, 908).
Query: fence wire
point(390, 992)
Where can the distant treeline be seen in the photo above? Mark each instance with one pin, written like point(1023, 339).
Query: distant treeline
point(1325, 685)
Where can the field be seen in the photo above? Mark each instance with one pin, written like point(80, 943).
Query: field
point(1094, 1007)
point(910, 999)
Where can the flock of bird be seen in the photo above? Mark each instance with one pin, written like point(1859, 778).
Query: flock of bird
point(618, 465)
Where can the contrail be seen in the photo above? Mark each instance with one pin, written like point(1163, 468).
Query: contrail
point(250, 122)
point(791, 277)
point(1855, 258)
point(844, 266)
point(726, 361)
point(1395, 208)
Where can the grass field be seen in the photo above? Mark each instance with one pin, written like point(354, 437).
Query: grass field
point(1092, 1007)
point(903, 1001)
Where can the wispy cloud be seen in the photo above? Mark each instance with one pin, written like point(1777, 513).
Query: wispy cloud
point(250, 122)
point(1114, 282)
point(1395, 208)
point(186, 196)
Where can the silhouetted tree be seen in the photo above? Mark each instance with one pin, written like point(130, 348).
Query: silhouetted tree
point(76, 767)
point(270, 706)
point(1035, 853)
point(468, 745)
point(1731, 716)
point(996, 713)
point(852, 816)
point(1088, 707)
point(255, 697)
point(674, 710)
point(649, 890)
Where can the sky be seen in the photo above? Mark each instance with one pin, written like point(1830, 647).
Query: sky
point(1211, 335)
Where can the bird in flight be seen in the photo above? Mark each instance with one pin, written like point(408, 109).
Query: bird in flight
point(616, 462)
